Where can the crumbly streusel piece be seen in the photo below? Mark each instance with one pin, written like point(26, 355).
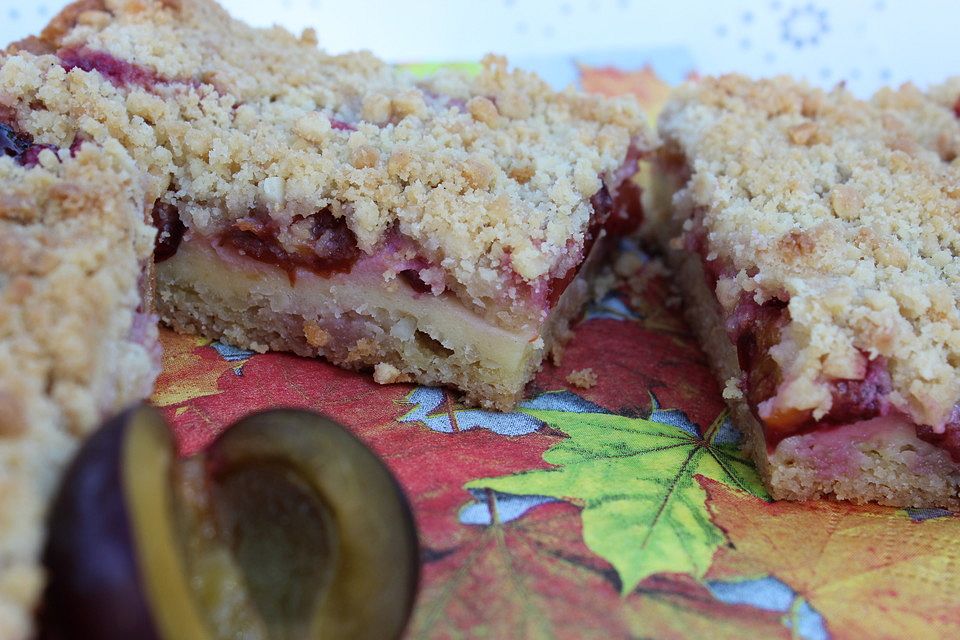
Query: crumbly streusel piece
point(583, 378)
point(429, 225)
point(817, 239)
point(75, 343)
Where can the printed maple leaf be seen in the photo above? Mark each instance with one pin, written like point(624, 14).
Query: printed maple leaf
point(190, 371)
point(870, 571)
point(643, 510)
point(669, 607)
point(645, 84)
point(533, 577)
point(507, 579)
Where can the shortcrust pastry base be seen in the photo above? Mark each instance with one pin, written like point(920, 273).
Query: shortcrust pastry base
point(358, 321)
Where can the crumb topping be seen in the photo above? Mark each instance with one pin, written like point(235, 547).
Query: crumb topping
point(850, 210)
point(486, 174)
point(386, 373)
point(583, 378)
point(72, 242)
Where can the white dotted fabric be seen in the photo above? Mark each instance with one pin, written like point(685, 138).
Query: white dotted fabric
point(866, 43)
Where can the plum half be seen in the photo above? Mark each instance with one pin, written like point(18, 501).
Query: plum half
point(285, 528)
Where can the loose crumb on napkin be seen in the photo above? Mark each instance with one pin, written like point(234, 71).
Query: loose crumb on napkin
point(583, 378)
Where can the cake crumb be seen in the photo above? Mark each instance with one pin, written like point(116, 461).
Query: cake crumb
point(732, 390)
point(559, 346)
point(386, 373)
point(362, 350)
point(315, 335)
point(583, 378)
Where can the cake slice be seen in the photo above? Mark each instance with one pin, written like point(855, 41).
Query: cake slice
point(442, 231)
point(815, 237)
point(77, 339)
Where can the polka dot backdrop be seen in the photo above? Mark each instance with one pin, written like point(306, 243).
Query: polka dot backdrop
point(866, 43)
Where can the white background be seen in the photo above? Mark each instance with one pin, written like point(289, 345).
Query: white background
point(864, 42)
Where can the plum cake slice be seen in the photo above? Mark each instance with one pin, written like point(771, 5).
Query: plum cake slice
point(78, 341)
point(442, 231)
point(816, 237)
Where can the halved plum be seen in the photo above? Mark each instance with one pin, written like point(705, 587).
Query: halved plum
point(287, 527)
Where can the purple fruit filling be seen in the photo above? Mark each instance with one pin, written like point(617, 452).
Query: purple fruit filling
point(755, 329)
point(20, 146)
point(862, 399)
point(340, 125)
point(118, 72)
point(13, 144)
point(949, 439)
point(31, 157)
point(617, 211)
point(413, 279)
point(170, 230)
point(333, 247)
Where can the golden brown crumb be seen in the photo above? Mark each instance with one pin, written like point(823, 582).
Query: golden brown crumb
point(806, 133)
point(386, 373)
point(364, 349)
point(582, 378)
point(315, 335)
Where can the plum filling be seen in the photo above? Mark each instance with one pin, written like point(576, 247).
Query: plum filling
point(21, 147)
point(340, 125)
point(618, 211)
point(755, 329)
point(118, 72)
point(323, 243)
point(695, 241)
point(626, 210)
point(949, 440)
point(13, 144)
point(413, 279)
point(331, 247)
point(855, 400)
point(170, 230)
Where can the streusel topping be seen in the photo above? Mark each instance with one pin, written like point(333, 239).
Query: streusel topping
point(72, 242)
point(480, 172)
point(849, 209)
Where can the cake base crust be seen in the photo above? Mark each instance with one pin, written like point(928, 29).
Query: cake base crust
point(359, 321)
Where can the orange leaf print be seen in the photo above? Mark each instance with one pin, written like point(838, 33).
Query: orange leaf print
point(190, 369)
point(645, 84)
point(871, 572)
